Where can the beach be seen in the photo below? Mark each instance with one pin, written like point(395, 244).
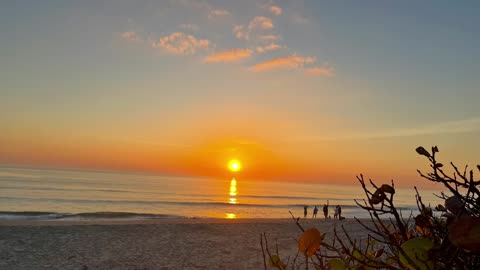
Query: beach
point(153, 244)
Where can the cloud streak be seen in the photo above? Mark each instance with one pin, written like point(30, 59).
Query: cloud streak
point(271, 47)
point(131, 36)
point(288, 62)
point(448, 127)
point(321, 71)
point(181, 44)
point(218, 13)
point(260, 22)
point(233, 55)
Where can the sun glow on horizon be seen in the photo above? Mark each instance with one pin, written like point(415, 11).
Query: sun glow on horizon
point(230, 216)
point(234, 165)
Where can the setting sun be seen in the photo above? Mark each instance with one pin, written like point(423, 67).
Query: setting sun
point(234, 165)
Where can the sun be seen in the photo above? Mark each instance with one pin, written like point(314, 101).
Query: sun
point(234, 165)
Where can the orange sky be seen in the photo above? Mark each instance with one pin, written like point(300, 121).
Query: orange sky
point(296, 90)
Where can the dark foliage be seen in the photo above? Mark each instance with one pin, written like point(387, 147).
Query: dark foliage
point(445, 237)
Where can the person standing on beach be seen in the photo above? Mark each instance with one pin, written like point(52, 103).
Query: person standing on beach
point(315, 211)
point(325, 210)
point(305, 211)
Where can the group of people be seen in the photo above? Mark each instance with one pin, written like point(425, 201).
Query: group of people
point(337, 213)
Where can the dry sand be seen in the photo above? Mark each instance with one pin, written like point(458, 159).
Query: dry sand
point(151, 244)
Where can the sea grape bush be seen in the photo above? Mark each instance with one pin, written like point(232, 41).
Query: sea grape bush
point(443, 237)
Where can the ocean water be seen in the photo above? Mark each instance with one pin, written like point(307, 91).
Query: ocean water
point(34, 193)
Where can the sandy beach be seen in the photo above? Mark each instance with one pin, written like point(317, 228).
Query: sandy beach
point(151, 244)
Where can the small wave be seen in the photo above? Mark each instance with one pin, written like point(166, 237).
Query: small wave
point(118, 215)
point(30, 215)
point(182, 203)
point(66, 189)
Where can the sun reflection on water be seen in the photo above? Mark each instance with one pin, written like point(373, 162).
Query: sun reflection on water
point(233, 187)
point(230, 216)
point(233, 199)
point(233, 192)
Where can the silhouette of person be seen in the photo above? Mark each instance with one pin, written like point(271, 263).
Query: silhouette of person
point(336, 215)
point(305, 211)
point(315, 211)
point(339, 212)
point(325, 210)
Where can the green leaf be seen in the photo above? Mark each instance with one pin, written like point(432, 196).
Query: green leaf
point(391, 260)
point(427, 211)
point(417, 250)
point(357, 255)
point(421, 151)
point(336, 264)
point(276, 262)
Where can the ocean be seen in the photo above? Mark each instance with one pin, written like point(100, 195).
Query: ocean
point(44, 194)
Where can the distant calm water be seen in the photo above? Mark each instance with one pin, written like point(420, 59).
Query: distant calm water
point(76, 194)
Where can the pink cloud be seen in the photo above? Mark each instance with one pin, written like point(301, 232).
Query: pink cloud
point(321, 71)
point(260, 22)
point(233, 55)
point(288, 62)
point(275, 10)
point(271, 47)
point(131, 36)
point(270, 37)
point(181, 43)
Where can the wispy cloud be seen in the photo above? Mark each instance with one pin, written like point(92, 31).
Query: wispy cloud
point(233, 55)
point(448, 127)
point(260, 22)
point(181, 43)
point(272, 46)
point(288, 62)
point(131, 36)
point(218, 13)
point(240, 32)
point(274, 9)
point(321, 71)
point(298, 19)
point(270, 37)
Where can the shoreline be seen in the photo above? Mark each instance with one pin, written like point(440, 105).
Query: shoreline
point(186, 220)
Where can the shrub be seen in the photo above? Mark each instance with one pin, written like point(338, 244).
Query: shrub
point(445, 237)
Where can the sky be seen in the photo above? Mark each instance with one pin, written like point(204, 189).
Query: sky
point(296, 90)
